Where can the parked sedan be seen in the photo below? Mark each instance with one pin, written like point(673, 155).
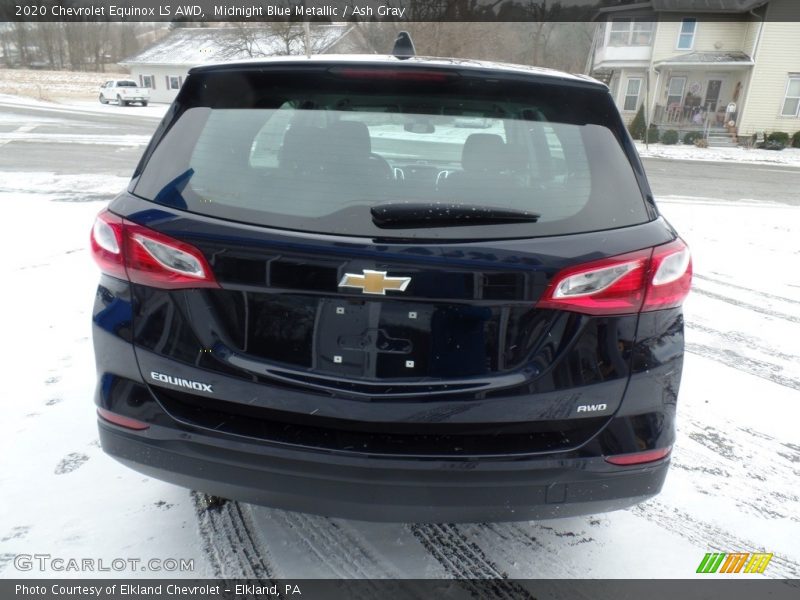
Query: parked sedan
point(307, 303)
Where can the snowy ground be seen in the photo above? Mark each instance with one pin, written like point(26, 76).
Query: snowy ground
point(732, 486)
point(73, 106)
point(47, 85)
point(60, 494)
point(787, 156)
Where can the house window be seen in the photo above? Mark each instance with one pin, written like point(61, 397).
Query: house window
point(675, 90)
point(686, 36)
point(630, 32)
point(147, 81)
point(173, 83)
point(791, 102)
point(632, 94)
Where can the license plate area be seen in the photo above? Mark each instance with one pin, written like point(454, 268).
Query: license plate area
point(362, 338)
point(389, 340)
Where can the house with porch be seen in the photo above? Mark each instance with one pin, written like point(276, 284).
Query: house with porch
point(727, 68)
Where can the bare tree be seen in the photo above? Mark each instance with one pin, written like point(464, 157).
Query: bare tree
point(241, 41)
point(291, 36)
point(49, 42)
point(21, 42)
point(253, 40)
point(77, 45)
point(6, 42)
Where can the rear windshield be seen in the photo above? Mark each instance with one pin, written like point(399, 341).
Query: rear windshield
point(126, 84)
point(315, 149)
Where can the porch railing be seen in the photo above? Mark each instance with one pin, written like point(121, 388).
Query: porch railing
point(681, 115)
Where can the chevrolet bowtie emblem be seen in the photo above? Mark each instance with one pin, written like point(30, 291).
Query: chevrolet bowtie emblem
point(374, 282)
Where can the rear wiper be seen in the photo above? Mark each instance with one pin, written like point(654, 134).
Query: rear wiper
point(445, 214)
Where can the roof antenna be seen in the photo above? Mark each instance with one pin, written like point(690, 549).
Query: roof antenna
point(403, 46)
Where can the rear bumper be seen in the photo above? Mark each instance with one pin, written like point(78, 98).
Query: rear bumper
point(334, 477)
point(379, 488)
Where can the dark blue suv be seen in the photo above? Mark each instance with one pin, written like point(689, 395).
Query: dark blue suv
point(408, 290)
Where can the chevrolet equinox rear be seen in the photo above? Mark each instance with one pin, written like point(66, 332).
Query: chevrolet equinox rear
point(396, 290)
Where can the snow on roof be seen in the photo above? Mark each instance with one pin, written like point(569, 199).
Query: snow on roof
point(710, 58)
point(201, 45)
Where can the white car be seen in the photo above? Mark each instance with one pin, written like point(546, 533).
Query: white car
point(124, 92)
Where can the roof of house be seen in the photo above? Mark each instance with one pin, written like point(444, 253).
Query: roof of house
point(202, 45)
point(683, 6)
point(711, 58)
point(733, 6)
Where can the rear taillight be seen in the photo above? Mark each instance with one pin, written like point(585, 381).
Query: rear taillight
point(107, 243)
point(671, 279)
point(644, 280)
point(129, 251)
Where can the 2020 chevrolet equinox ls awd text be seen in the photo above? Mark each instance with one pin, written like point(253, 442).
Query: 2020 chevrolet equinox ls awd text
point(324, 290)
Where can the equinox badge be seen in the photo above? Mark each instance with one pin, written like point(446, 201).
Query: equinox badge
point(177, 381)
point(374, 282)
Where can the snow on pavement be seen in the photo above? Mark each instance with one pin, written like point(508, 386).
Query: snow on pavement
point(116, 141)
point(61, 494)
point(74, 106)
point(787, 156)
point(732, 485)
point(63, 187)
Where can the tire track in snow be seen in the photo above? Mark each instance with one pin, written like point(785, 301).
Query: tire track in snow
point(345, 554)
point(511, 542)
point(710, 537)
point(334, 545)
point(227, 540)
point(759, 368)
point(768, 492)
point(466, 561)
point(744, 289)
point(746, 305)
point(737, 337)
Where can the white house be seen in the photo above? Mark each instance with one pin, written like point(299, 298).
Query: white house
point(163, 66)
point(701, 64)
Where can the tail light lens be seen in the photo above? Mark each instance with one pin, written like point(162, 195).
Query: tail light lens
point(644, 280)
point(107, 243)
point(129, 251)
point(639, 458)
point(671, 281)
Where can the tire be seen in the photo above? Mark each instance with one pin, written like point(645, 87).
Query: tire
point(120, 101)
point(102, 100)
point(144, 103)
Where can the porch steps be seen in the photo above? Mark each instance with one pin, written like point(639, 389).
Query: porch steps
point(721, 139)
